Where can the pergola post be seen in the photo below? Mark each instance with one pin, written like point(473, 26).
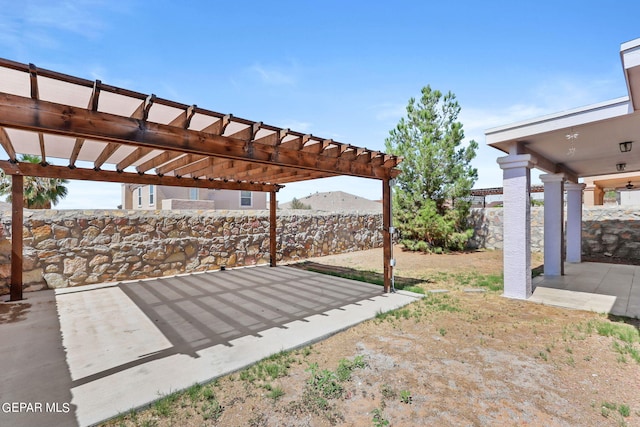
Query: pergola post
point(17, 182)
point(386, 234)
point(272, 228)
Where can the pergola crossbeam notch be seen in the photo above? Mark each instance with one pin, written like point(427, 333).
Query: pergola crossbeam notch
point(219, 126)
point(33, 81)
point(95, 96)
point(184, 119)
point(142, 112)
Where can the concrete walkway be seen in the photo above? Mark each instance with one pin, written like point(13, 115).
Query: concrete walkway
point(128, 344)
point(603, 288)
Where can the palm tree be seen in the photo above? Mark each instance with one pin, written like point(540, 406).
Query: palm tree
point(39, 193)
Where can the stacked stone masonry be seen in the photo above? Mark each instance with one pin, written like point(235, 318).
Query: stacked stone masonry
point(609, 231)
point(72, 248)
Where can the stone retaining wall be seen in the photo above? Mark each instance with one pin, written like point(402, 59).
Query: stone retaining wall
point(71, 248)
point(611, 231)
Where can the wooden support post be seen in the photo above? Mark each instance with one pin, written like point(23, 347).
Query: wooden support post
point(17, 182)
point(272, 228)
point(386, 235)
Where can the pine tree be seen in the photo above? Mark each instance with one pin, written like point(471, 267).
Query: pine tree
point(431, 197)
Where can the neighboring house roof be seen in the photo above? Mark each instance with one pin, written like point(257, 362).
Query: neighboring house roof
point(337, 201)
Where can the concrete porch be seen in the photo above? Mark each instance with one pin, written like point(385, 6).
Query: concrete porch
point(604, 288)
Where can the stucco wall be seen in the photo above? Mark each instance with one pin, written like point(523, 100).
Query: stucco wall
point(70, 248)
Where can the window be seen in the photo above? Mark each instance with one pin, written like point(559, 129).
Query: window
point(193, 194)
point(139, 196)
point(151, 196)
point(245, 199)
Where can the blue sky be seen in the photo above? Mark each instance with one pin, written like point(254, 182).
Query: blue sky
point(337, 69)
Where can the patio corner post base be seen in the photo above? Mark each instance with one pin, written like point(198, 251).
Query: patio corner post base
point(273, 205)
point(17, 215)
point(517, 224)
point(574, 221)
point(553, 223)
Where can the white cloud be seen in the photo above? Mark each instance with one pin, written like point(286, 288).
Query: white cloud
point(275, 75)
point(389, 111)
point(296, 125)
point(550, 96)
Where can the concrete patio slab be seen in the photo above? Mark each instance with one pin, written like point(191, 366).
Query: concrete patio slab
point(604, 288)
point(128, 344)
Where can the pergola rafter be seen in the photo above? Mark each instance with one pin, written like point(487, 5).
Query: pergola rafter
point(135, 138)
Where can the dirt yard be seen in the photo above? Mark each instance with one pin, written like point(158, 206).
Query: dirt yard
point(466, 357)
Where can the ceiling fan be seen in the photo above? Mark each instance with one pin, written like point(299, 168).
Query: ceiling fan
point(628, 187)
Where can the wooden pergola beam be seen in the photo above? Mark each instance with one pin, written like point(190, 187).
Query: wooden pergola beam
point(51, 171)
point(133, 157)
point(5, 141)
point(178, 163)
point(195, 168)
point(42, 116)
point(158, 160)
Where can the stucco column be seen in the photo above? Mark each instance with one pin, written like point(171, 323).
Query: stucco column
point(516, 170)
point(553, 223)
point(574, 221)
point(593, 195)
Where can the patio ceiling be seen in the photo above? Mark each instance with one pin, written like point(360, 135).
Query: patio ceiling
point(105, 133)
point(584, 141)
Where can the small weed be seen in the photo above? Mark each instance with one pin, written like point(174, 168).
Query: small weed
point(405, 397)
point(624, 410)
point(388, 392)
point(164, 406)
point(542, 355)
point(193, 392)
point(208, 394)
point(442, 331)
point(571, 362)
point(276, 393)
point(378, 418)
point(324, 382)
point(212, 410)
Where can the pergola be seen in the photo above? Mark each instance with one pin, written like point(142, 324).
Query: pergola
point(107, 133)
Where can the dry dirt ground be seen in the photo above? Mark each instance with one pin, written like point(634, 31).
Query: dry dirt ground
point(457, 358)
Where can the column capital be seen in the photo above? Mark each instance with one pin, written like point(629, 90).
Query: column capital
point(574, 186)
point(513, 161)
point(552, 177)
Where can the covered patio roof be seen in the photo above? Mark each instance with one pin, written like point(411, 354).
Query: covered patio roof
point(99, 132)
point(584, 141)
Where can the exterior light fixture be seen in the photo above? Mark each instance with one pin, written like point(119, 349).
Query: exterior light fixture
point(625, 146)
point(620, 167)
